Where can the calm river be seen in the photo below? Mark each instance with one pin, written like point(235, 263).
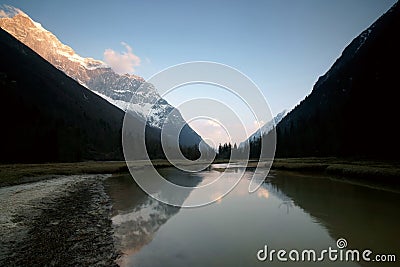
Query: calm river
point(289, 212)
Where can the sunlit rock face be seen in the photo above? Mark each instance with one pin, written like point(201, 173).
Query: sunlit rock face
point(124, 91)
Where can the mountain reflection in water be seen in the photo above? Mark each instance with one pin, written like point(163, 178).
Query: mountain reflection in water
point(290, 211)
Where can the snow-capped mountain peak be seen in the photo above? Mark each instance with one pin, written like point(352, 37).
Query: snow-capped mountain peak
point(266, 128)
point(43, 42)
point(124, 91)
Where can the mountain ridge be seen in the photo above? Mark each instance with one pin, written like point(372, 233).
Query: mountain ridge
point(357, 92)
point(124, 91)
point(47, 116)
point(266, 128)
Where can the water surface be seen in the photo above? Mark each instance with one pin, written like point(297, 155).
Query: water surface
point(290, 211)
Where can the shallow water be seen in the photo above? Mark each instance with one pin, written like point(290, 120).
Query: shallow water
point(289, 212)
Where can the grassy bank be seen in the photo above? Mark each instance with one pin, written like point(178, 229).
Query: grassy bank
point(11, 174)
point(354, 167)
point(384, 172)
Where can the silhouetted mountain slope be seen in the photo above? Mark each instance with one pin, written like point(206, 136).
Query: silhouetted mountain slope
point(47, 116)
point(352, 109)
point(124, 91)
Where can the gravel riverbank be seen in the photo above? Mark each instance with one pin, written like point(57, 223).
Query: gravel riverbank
point(58, 222)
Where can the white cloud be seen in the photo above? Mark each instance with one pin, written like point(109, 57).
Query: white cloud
point(213, 123)
point(7, 11)
point(263, 193)
point(124, 62)
point(211, 131)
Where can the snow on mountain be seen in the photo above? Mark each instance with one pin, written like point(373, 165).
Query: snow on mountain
point(266, 127)
point(119, 90)
point(44, 42)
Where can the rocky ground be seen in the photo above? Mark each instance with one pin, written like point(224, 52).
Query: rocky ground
point(58, 222)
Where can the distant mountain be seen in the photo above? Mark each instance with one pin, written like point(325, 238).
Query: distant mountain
point(119, 90)
point(266, 128)
point(353, 109)
point(46, 116)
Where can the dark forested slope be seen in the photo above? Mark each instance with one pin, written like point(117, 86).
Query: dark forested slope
point(353, 109)
point(47, 116)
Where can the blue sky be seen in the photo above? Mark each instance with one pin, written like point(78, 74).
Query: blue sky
point(283, 46)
